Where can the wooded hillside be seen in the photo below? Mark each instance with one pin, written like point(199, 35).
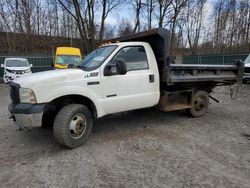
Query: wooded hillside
point(196, 26)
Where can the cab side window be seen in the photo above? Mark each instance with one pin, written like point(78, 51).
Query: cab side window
point(134, 56)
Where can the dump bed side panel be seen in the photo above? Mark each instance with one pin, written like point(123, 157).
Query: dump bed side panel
point(205, 73)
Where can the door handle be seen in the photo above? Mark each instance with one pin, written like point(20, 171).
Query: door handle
point(151, 78)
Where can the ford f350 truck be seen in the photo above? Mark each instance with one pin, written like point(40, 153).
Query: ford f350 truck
point(134, 73)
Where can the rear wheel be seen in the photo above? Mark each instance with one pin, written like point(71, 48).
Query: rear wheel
point(200, 103)
point(73, 125)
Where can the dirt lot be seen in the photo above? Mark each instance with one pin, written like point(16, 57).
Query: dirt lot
point(144, 148)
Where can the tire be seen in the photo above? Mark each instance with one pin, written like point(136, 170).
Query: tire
point(200, 103)
point(73, 125)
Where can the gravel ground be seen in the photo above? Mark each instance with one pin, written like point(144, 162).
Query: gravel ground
point(143, 148)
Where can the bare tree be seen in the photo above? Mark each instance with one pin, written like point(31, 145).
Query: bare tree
point(164, 9)
point(137, 5)
point(84, 16)
point(109, 31)
point(150, 9)
point(125, 28)
point(107, 7)
point(228, 29)
point(243, 24)
point(194, 21)
point(220, 24)
point(178, 6)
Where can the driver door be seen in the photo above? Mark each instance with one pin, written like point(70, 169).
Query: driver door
point(136, 89)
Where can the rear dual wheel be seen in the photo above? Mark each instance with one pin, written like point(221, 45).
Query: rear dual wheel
point(73, 125)
point(200, 103)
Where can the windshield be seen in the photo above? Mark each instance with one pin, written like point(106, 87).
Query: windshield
point(97, 57)
point(17, 63)
point(247, 61)
point(68, 59)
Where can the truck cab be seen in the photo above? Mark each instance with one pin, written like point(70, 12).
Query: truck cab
point(67, 56)
point(127, 75)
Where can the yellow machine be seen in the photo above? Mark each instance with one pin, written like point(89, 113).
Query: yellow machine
point(67, 56)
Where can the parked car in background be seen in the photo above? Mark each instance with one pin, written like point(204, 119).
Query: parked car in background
point(15, 68)
point(246, 76)
point(67, 57)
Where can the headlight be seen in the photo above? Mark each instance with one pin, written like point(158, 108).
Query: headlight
point(10, 71)
point(27, 96)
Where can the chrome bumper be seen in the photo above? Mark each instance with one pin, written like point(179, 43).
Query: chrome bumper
point(28, 120)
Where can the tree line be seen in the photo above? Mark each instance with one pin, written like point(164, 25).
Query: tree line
point(196, 26)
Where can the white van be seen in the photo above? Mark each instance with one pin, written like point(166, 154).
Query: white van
point(15, 68)
point(246, 76)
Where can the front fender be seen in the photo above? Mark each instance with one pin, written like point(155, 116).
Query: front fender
point(59, 90)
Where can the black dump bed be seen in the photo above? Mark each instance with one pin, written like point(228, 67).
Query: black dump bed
point(181, 74)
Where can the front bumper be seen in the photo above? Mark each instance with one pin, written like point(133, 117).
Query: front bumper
point(28, 120)
point(7, 78)
point(11, 76)
point(27, 115)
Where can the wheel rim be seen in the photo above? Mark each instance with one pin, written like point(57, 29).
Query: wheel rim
point(77, 126)
point(199, 104)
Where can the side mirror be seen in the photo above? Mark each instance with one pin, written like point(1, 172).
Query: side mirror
point(121, 67)
point(31, 65)
point(108, 70)
point(70, 66)
point(2, 66)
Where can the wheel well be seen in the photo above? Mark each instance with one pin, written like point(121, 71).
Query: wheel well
point(53, 107)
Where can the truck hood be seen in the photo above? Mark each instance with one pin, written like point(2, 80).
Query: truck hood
point(52, 76)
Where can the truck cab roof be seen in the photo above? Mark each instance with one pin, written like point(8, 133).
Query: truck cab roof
point(118, 43)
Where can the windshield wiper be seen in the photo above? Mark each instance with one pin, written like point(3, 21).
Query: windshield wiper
point(81, 67)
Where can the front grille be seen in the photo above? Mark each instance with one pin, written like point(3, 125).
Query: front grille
point(14, 93)
point(16, 71)
point(247, 70)
point(19, 72)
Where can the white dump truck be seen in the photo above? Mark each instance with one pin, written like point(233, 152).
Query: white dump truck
point(134, 73)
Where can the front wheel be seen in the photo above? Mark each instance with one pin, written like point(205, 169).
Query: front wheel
point(200, 103)
point(73, 125)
